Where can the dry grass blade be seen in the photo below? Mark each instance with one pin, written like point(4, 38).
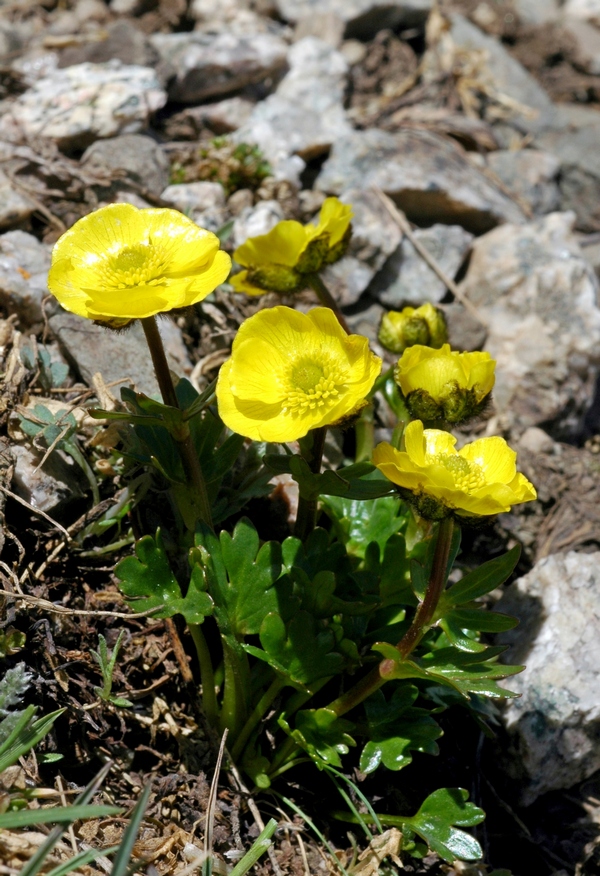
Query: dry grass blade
point(210, 812)
point(404, 225)
point(37, 511)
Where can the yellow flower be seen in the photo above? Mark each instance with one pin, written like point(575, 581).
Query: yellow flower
point(278, 261)
point(444, 384)
point(120, 263)
point(422, 325)
point(290, 372)
point(480, 479)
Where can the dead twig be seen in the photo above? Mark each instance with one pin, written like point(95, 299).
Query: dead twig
point(404, 225)
point(255, 813)
point(62, 609)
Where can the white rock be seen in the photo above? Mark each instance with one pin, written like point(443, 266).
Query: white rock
point(589, 10)
point(55, 483)
point(536, 441)
point(209, 65)
point(556, 721)
point(24, 264)
point(306, 114)
point(15, 207)
point(223, 116)
point(204, 202)
point(537, 11)
point(253, 221)
point(406, 277)
point(538, 296)
point(77, 105)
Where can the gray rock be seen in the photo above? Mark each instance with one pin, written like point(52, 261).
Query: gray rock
point(58, 481)
point(529, 174)
point(80, 104)
point(253, 221)
point(537, 11)
point(588, 44)
point(121, 41)
point(119, 356)
point(15, 207)
point(209, 65)
point(306, 113)
point(204, 202)
point(366, 322)
point(407, 279)
point(556, 720)
point(139, 158)
point(576, 147)
point(375, 236)
point(223, 116)
point(538, 296)
point(507, 75)
point(427, 175)
point(362, 18)
point(24, 264)
point(464, 331)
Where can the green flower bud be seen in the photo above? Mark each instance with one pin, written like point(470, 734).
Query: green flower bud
point(424, 325)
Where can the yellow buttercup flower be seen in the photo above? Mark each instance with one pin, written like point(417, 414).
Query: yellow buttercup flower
point(478, 480)
point(444, 384)
point(279, 261)
point(121, 263)
point(290, 372)
point(421, 325)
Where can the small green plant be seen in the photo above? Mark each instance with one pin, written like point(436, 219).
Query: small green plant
point(58, 431)
point(107, 665)
point(234, 165)
point(50, 374)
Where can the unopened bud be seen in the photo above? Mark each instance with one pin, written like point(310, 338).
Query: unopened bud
point(423, 325)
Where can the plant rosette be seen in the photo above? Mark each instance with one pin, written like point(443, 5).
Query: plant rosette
point(281, 260)
point(121, 263)
point(478, 480)
point(291, 372)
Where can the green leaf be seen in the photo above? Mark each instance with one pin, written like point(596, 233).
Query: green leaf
point(349, 482)
point(323, 735)
point(60, 814)
point(303, 650)
point(25, 735)
point(148, 583)
point(464, 671)
point(438, 819)
point(462, 626)
point(482, 580)
point(358, 523)
point(245, 582)
point(396, 728)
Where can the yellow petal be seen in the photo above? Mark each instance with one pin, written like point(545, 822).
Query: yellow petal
point(240, 284)
point(482, 373)
point(334, 219)
point(283, 245)
point(414, 441)
point(494, 456)
point(439, 442)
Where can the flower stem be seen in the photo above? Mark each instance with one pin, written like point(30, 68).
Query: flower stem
point(327, 299)
point(207, 676)
point(306, 517)
point(189, 457)
point(419, 626)
point(365, 434)
point(257, 713)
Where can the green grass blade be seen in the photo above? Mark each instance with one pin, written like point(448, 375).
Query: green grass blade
point(258, 848)
point(59, 815)
point(27, 738)
point(123, 856)
point(36, 862)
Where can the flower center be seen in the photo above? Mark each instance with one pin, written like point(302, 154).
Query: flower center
point(468, 476)
point(137, 265)
point(312, 384)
